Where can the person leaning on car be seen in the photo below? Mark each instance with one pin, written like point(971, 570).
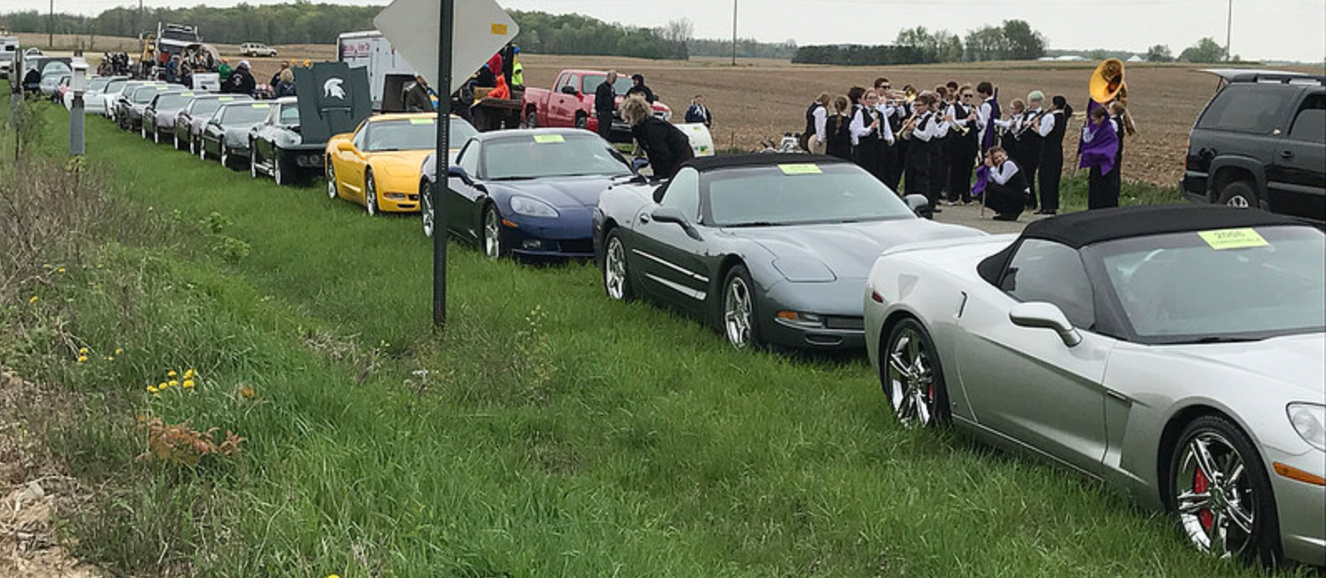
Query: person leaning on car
point(665, 145)
point(605, 101)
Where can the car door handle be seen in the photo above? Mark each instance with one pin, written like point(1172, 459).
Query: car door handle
point(644, 217)
point(1286, 154)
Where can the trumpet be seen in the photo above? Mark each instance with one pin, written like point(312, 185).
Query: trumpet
point(909, 126)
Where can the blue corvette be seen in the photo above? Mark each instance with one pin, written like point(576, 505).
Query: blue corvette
point(526, 192)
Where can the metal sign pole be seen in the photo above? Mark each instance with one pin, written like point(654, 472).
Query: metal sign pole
point(445, 32)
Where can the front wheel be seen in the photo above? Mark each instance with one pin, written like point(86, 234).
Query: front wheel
point(253, 161)
point(370, 194)
point(739, 309)
point(912, 376)
point(615, 280)
point(331, 181)
point(492, 233)
point(202, 150)
point(1221, 492)
point(426, 206)
point(225, 156)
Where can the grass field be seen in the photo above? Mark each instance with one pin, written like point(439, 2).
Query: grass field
point(555, 433)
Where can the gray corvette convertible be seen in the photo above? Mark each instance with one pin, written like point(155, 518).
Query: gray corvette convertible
point(769, 248)
point(1178, 352)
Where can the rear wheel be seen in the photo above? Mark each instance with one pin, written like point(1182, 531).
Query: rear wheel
point(582, 121)
point(739, 309)
point(370, 194)
point(1239, 194)
point(156, 136)
point(202, 149)
point(142, 131)
point(615, 280)
point(532, 119)
point(492, 233)
point(912, 377)
point(1221, 492)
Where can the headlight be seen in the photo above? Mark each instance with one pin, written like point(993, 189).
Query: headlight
point(532, 207)
point(1309, 420)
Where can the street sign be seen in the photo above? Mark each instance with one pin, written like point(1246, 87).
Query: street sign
point(481, 29)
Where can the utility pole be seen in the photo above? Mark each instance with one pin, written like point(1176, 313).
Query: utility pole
point(446, 32)
point(50, 26)
point(734, 32)
point(1229, 32)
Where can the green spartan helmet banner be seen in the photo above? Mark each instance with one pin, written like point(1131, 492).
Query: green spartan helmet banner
point(333, 98)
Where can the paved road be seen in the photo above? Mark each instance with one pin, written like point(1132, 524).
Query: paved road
point(970, 215)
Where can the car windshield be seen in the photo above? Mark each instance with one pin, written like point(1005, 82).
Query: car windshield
point(414, 134)
point(97, 84)
point(290, 114)
point(802, 193)
point(551, 155)
point(145, 94)
point(591, 83)
point(56, 67)
point(1228, 285)
point(247, 113)
point(173, 101)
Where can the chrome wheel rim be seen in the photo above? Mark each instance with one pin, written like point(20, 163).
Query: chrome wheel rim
point(614, 269)
point(1213, 495)
point(177, 142)
point(202, 151)
point(225, 157)
point(1238, 202)
point(426, 198)
point(370, 195)
point(253, 163)
point(737, 307)
point(910, 379)
point(156, 137)
point(492, 241)
point(276, 171)
point(331, 182)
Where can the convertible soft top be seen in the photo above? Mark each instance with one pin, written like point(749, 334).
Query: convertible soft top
point(1078, 230)
point(703, 164)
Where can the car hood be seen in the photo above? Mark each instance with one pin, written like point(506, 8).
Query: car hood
point(1294, 360)
point(399, 163)
point(560, 192)
point(848, 250)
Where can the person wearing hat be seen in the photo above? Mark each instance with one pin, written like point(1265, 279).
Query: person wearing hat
point(224, 70)
point(240, 81)
point(639, 88)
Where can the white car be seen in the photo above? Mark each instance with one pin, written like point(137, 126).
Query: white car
point(1176, 352)
point(256, 49)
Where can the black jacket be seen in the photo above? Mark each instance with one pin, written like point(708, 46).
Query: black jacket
point(605, 98)
point(643, 90)
point(665, 145)
point(417, 100)
point(240, 82)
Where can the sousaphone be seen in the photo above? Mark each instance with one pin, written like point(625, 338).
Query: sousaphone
point(1107, 82)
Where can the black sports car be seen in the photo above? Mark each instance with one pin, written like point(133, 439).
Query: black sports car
point(277, 148)
point(159, 115)
point(226, 134)
point(770, 248)
point(191, 119)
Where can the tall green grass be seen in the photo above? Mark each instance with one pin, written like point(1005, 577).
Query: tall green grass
point(546, 432)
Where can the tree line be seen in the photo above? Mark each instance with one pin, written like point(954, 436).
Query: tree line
point(1013, 40)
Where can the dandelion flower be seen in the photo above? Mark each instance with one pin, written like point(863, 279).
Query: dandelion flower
point(171, 373)
point(188, 383)
point(152, 389)
point(173, 383)
point(60, 270)
point(161, 385)
point(246, 391)
point(119, 351)
point(110, 358)
point(33, 299)
point(189, 373)
point(82, 351)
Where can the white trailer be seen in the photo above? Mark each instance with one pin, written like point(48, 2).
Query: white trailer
point(388, 72)
point(8, 55)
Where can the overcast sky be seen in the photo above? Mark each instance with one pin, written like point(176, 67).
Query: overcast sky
point(1264, 30)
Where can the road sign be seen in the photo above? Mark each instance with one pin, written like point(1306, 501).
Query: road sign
point(481, 29)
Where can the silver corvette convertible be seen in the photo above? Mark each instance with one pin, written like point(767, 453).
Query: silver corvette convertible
point(1179, 352)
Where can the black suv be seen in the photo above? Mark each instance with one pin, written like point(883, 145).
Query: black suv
point(1261, 142)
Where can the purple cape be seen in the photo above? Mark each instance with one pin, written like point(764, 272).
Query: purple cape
point(982, 178)
point(1100, 152)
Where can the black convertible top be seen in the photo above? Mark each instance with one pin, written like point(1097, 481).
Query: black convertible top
point(1078, 230)
point(703, 164)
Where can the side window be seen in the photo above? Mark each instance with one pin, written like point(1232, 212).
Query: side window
point(561, 82)
point(1052, 273)
point(469, 158)
point(1247, 108)
point(573, 80)
point(1310, 124)
point(683, 193)
point(361, 137)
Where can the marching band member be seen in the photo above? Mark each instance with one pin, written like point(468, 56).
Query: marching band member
point(897, 110)
point(1123, 125)
point(987, 114)
point(963, 145)
point(939, 150)
point(1028, 154)
point(923, 128)
point(1008, 128)
point(1051, 129)
point(1006, 190)
point(812, 139)
point(1098, 151)
point(838, 130)
point(871, 135)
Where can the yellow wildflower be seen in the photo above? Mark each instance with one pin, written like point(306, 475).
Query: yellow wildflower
point(188, 373)
point(33, 299)
point(246, 391)
point(171, 373)
point(188, 383)
point(82, 351)
point(161, 385)
point(152, 389)
point(119, 351)
point(82, 359)
point(173, 383)
point(60, 270)
point(110, 358)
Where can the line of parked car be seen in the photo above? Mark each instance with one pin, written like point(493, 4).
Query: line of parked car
point(1176, 352)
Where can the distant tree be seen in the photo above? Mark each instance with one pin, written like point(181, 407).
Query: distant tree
point(952, 51)
point(1206, 50)
point(1159, 53)
point(677, 30)
point(1024, 43)
point(986, 43)
point(918, 39)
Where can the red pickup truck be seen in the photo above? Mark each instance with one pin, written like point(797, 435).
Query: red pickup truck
point(570, 103)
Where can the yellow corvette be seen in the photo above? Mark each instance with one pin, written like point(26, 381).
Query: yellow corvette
point(378, 164)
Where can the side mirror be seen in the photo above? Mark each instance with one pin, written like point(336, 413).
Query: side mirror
point(345, 146)
point(571, 90)
point(1045, 316)
point(920, 205)
point(674, 215)
point(637, 164)
point(457, 172)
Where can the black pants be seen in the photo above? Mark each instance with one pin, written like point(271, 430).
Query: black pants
point(605, 124)
point(870, 156)
point(961, 160)
point(938, 170)
point(917, 170)
point(1005, 200)
point(1029, 162)
point(1051, 172)
point(1102, 190)
point(895, 162)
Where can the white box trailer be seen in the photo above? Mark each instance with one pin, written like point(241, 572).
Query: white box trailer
point(388, 72)
point(8, 55)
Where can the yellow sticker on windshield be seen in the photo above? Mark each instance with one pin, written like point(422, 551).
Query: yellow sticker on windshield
point(260, 105)
point(421, 121)
point(225, 99)
point(1233, 239)
point(801, 169)
point(186, 94)
point(548, 138)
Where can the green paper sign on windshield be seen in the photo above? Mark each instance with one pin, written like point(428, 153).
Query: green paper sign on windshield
point(801, 169)
point(1233, 239)
point(548, 138)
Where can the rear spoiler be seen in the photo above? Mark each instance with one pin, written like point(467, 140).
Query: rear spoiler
point(1232, 75)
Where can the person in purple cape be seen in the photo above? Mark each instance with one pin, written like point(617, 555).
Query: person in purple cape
point(1097, 151)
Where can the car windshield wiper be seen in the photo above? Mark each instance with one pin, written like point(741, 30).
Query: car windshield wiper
point(754, 224)
point(1224, 339)
point(515, 178)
